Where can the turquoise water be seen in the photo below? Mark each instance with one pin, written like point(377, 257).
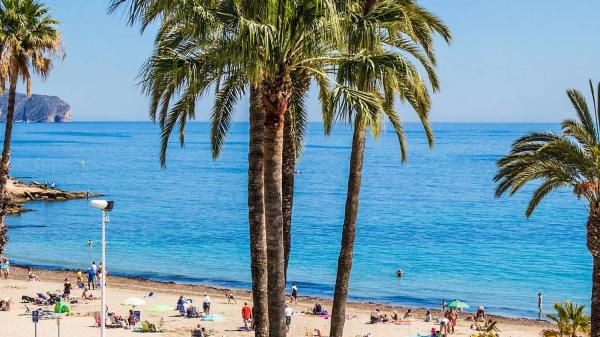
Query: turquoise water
point(435, 216)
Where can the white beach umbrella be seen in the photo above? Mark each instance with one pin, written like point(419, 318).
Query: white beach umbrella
point(134, 301)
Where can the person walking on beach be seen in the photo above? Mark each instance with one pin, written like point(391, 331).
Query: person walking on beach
point(247, 316)
point(540, 302)
point(443, 306)
point(288, 317)
point(294, 296)
point(453, 316)
point(206, 304)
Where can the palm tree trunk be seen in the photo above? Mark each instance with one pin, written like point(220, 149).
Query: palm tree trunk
point(338, 312)
point(5, 164)
point(593, 244)
point(289, 166)
point(256, 214)
point(595, 318)
point(275, 99)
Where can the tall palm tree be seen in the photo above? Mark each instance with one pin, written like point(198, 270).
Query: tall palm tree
point(569, 159)
point(268, 44)
point(29, 41)
point(381, 37)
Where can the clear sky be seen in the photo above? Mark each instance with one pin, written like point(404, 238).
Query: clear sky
point(510, 61)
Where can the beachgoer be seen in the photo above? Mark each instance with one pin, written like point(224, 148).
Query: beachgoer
point(95, 270)
point(453, 318)
point(87, 296)
point(443, 306)
point(288, 317)
point(540, 303)
point(294, 295)
point(428, 316)
point(132, 319)
point(90, 243)
point(247, 316)
point(180, 307)
point(318, 308)
point(375, 317)
point(230, 297)
point(433, 332)
point(408, 314)
point(395, 316)
point(444, 322)
point(31, 276)
point(206, 304)
point(199, 331)
point(4, 267)
point(399, 272)
point(480, 315)
point(91, 278)
point(67, 289)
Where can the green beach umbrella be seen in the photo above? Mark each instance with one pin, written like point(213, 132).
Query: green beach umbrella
point(161, 308)
point(458, 304)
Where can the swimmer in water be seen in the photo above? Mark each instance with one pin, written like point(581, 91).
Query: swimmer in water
point(399, 272)
point(90, 243)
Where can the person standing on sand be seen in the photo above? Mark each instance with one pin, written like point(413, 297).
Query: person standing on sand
point(540, 302)
point(294, 296)
point(443, 306)
point(247, 316)
point(91, 279)
point(206, 304)
point(4, 267)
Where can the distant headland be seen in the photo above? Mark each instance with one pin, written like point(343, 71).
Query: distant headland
point(37, 109)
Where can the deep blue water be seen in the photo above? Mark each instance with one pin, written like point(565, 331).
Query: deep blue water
point(435, 216)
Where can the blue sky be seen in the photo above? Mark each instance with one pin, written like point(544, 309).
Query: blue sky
point(510, 61)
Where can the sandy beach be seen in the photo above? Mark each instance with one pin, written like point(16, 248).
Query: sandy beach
point(80, 321)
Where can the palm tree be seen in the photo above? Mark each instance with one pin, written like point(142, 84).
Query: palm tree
point(381, 36)
point(268, 45)
point(569, 159)
point(29, 41)
point(570, 319)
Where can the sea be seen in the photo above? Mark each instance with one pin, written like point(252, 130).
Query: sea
point(435, 216)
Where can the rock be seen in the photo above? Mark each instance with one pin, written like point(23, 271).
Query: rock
point(37, 108)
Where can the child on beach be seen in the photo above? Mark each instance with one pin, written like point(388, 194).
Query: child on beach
point(288, 317)
point(247, 316)
point(31, 276)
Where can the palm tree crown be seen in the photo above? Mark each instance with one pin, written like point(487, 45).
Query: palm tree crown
point(28, 41)
point(569, 159)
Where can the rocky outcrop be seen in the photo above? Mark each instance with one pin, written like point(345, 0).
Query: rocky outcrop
point(21, 192)
point(37, 108)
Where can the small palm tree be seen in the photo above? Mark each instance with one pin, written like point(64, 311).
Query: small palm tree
point(28, 42)
point(570, 320)
point(569, 159)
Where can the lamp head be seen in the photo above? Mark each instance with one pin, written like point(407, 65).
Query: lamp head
point(105, 205)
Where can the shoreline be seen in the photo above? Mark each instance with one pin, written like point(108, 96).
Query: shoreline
point(57, 274)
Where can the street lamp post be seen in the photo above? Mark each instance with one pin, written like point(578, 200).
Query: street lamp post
point(106, 206)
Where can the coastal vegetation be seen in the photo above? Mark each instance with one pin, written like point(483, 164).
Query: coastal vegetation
point(353, 51)
point(29, 42)
point(569, 159)
point(570, 319)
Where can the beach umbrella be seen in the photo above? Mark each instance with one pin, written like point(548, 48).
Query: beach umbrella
point(134, 301)
point(213, 317)
point(161, 308)
point(458, 304)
